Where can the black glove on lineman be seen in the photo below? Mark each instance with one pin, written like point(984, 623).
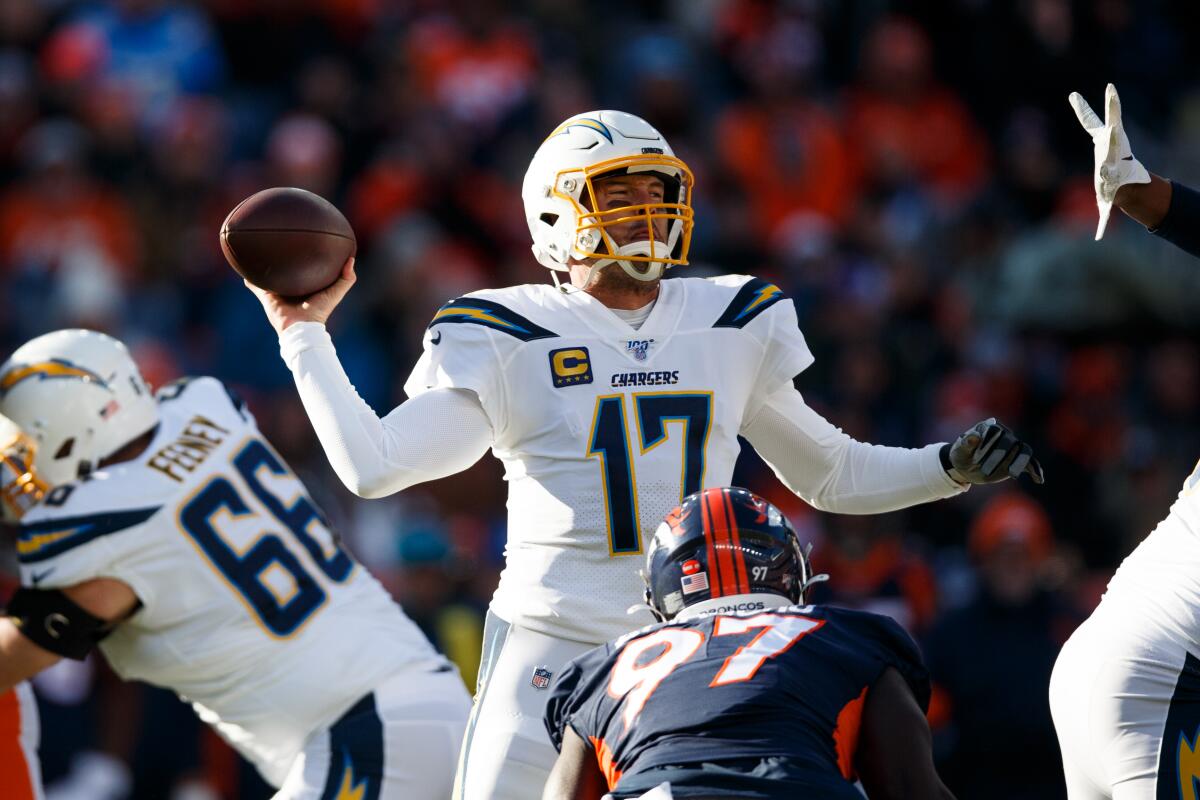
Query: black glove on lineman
point(988, 453)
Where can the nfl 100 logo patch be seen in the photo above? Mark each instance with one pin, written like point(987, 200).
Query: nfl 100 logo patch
point(541, 677)
point(639, 348)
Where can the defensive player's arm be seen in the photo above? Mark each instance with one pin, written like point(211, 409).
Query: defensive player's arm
point(832, 471)
point(105, 599)
point(1169, 210)
point(437, 433)
point(894, 759)
point(576, 774)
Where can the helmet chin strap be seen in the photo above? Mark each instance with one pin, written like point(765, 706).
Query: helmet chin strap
point(642, 270)
point(647, 271)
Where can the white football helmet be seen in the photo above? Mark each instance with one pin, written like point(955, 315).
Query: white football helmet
point(560, 196)
point(20, 487)
point(78, 394)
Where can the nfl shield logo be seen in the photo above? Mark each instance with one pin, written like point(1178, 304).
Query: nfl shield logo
point(541, 677)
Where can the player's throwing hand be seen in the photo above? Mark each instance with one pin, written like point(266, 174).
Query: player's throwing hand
point(283, 311)
point(1115, 164)
point(989, 452)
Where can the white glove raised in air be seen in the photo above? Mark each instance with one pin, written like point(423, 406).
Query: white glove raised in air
point(1115, 164)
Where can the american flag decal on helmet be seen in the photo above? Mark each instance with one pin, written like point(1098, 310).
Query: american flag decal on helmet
point(694, 583)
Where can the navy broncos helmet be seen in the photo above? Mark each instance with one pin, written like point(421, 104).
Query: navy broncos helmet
point(723, 542)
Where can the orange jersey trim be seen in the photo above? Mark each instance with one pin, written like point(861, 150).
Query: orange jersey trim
point(604, 757)
point(845, 734)
point(18, 783)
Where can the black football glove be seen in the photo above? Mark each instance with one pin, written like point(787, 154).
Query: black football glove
point(989, 453)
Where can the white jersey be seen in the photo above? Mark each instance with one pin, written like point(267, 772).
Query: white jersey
point(603, 429)
point(250, 609)
point(1157, 587)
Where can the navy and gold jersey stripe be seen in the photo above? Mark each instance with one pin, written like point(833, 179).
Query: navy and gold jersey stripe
point(42, 540)
point(755, 297)
point(1179, 752)
point(356, 754)
point(490, 315)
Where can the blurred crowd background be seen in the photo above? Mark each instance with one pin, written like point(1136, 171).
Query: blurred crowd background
point(909, 172)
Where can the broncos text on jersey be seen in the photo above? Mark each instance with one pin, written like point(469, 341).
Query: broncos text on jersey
point(250, 608)
point(603, 429)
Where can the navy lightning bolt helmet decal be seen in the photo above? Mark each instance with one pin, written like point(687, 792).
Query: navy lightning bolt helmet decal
point(475, 311)
point(755, 297)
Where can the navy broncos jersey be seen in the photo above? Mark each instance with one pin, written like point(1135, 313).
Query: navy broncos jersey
point(760, 703)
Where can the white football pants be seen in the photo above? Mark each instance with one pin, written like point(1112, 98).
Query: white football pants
point(400, 742)
point(1126, 705)
point(507, 754)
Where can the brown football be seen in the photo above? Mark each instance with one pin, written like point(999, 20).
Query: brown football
point(288, 241)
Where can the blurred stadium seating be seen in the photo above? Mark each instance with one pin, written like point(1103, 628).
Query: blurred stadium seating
point(910, 172)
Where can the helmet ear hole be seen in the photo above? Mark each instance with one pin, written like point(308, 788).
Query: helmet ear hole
point(549, 219)
point(65, 449)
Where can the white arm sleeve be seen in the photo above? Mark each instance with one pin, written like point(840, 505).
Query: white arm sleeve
point(833, 472)
point(435, 434)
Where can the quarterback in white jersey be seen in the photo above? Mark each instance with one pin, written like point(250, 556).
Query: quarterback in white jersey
point(607, 401)
point(194, 558)
point(1125, 691)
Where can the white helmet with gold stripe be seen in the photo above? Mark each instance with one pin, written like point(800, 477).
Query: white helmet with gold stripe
point(559, 194)
point(79, 396)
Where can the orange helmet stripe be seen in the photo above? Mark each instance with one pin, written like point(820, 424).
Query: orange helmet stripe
point(721, 542)
point(735, 543)
point(714, 570)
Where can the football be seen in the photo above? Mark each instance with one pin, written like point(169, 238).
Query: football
point(287, 240)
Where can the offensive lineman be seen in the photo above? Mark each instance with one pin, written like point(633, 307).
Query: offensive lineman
point(608, 400)
point(743, 691)
point(1125, 691)
point(177, 539)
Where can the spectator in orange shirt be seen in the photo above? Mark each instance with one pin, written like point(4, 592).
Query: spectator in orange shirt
point(59, 210)
point(782, 147)
point(991, 659)
point(876, 572)
point(904, 126)
point(68, 244)
point(477, 65)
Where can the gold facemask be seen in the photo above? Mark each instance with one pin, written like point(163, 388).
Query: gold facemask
point(20, 487)
point(592, 238)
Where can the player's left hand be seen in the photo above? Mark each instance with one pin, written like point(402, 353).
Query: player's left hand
point(989, 452)
point(283, 311)
point(1115, 164)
